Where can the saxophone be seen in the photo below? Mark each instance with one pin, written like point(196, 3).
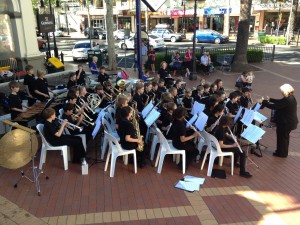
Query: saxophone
point(136, 126)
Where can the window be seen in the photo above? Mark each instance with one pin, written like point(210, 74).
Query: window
point(114, 2)
point(99, 3)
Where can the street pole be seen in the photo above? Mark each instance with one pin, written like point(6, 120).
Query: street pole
point(194, 39)
point(138, 38)
point(54, 39)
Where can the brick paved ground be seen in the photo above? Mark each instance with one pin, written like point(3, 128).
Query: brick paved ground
point(272, 196)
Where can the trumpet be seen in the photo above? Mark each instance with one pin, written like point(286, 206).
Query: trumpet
point(71, 125)
point(86, 115)
point(84, 120)
point(108, 96)
point(115, 90)
point(87, 106)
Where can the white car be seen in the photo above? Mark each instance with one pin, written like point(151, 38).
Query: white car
point(58, 33)
point(80, 50)
point(155, 41)
point(119, 34)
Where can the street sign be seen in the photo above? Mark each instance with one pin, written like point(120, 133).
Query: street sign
point(46, 23)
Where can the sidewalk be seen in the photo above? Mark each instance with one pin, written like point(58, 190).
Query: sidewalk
point(271, 197)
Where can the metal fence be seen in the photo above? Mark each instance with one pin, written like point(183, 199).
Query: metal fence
point(268, 51)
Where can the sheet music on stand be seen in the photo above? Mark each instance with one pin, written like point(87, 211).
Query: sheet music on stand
point(201, 121)
point(192, 120)
point(258, 117)
point(253, 133)
point(237, 116)
point(248, 117)
point(256, 107)
point(197, 108)
point(152, 117)
point(147, 109)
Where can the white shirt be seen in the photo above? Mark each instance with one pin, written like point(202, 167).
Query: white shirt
point(204, 60)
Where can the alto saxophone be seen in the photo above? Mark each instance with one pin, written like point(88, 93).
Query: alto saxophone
point(136, 126)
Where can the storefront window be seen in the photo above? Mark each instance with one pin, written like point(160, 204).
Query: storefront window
point(7, 48)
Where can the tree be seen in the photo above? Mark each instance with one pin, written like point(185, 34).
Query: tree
point(292, 21)
point(240, 62)
point(112, 61)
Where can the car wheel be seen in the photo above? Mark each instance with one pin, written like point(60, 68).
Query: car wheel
point(74, 59)
point(217, 41)
point(44, 45)
point(123, 46)
point(100, 36)
point(173, 39)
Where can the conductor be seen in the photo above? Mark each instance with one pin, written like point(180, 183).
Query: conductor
point(286, 118)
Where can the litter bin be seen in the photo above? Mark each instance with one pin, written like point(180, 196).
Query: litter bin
point(54, 65)
point(261, 34)
point(98, 54)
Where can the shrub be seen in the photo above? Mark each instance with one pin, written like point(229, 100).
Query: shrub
point(273, 40)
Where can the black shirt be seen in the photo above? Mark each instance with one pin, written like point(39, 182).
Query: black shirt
point(178, 129)
point(126, 128)
point(71, 83)
point(244, 101)
point(211, 120)
point(187, 102)
point(140, 100)
point(14, 101)
point(102, 77)
point(232, 107)
point(163, 73)
point(41, 85)
point(81, 80)
point(30, 82)
point(50, 129)
point(220, 133)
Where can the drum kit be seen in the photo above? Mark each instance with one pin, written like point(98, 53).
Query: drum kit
point(18, 148)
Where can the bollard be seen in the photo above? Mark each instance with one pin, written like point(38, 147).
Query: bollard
point(62, 57)
point(273, 53)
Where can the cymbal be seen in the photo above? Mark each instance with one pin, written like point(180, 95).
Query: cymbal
point(15, 149)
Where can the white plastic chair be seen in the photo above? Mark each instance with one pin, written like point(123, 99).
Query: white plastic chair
point(167, 148)
point(111, 121)
point(46, 146)
point(108, 128)
point(116, 150)
point(214, 149)
point(61, 112)
point(154, 142)
point(111, 111)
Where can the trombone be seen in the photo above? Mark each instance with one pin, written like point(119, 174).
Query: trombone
point(87, 106)
point(71, 125)
point(84, 113)
point(107, 96)
point(84, 120)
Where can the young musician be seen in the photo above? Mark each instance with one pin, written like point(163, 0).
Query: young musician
point(206, 92)
point(163, 71)
point(41, 89)
point(121, 102)
point(100, 93)
point(148, 92)
point(102, 77)
point(227, 144)
point(167, 119)
point(216, 113)
point(211, 104)
point(232, 105)
point(199, 97)
point(178, 85)
point(139, 97)
point(80, 76)
point(127, 133)
point(155, 92)
point(53, 132)
point(165, 99)
point(72, 80)
point(14, 101)
point(180, 138)
point(246, 98)
point(187, 100)
point(161, 87)
point(29, 82)
point(213, 89)
point(219, 84)
point(174, 95)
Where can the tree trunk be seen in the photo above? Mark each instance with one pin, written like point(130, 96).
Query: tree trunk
point(292, 21)
point(112, 61)
point(240, 62)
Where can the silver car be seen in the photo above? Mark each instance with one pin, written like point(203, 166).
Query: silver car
point(168, 34)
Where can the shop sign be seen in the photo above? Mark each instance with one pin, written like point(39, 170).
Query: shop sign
point(214, 11)
point(46, 23)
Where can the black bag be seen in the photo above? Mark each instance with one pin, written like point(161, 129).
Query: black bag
point(192, 76)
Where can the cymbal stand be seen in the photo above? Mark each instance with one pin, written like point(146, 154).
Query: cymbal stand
point(35, 171)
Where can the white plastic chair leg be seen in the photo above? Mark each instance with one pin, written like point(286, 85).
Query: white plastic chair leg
point(153, 146)
point(183, 163)
point(221, 160)
point(211, 164)
point(125, 158)
point(177, 158)
point(134, 161)
point(174, 158)
point(204, 159)
point(161, 161)
point(107, 160)
point(104, 146)
point(232, 164)
point(65, 158)
point(112, 165)
point(42, 159)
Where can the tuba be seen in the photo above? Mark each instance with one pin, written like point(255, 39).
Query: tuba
point(136, 126)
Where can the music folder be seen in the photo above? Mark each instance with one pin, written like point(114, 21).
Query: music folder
point(147, 109)
point(197, 108)
point(201, 121)
point(237, 116)
point(152, 117)
point(192, 121)
point(248, 117)
point(253, 133)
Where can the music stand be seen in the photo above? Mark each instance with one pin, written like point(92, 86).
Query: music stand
point(35, 171)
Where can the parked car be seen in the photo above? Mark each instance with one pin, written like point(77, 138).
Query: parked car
point(96, 33)
point(119, 34)
point(155, 41)
point(207, 35)
point(41, 43)
point(58, 33)
point(168, 34)
point(81, 48)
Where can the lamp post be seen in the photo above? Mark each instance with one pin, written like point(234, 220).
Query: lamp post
point(183, 4)
point(194, 39)
point(280, 3)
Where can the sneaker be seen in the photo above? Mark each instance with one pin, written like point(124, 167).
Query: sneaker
point(245, 174)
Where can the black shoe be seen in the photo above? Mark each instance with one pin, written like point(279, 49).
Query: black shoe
point(245, 174)
point(276, 154)
point(237, 165)
point(142, 165)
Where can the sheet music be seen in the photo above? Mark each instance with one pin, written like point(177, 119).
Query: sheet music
point(197, 108)
point(253, 133)
point(257, 107)
point(248, 117)
point(197, 180)
point(191, 121)
point(187, 186)
point(147, 109)
point(201, 121)
point(258, 117)
point(152, 117)
point(237, 116)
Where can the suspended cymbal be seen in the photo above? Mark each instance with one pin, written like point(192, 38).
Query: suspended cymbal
point(15, 149)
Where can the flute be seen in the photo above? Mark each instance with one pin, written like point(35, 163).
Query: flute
point(71, 125)
point(233, 137)
point(190, 125)
point(215, 123)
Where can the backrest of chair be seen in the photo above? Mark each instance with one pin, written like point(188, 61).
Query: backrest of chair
point(112, 111)
point(211, 141)
point(61, 112)
point(107, 125)
point(110, 120)
point(113, 141)
point(162, 140)
point(40, 128)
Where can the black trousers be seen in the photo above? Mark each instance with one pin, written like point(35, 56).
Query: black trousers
point(190, 151)
point(205, 68)
point(237, 155)
point(71, 141)
point(283, 140)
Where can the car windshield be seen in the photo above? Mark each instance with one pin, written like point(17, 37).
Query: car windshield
point(82, 45)
point(215, 32)
point(153, 36)
point(170, 31)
